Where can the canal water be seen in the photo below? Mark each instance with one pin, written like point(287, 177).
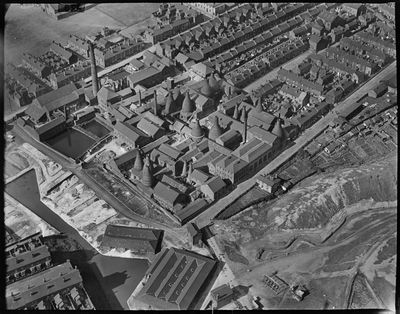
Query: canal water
point(104, 277)
point(96, 128)
point(71, 143)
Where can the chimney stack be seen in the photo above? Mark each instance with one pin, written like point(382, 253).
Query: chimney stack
point(245, 126)
point(155, 103)
point(95, 84)
point(140, 98)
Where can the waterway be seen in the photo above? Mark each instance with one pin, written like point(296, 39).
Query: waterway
point(108, 280)
point(96, 128)
point(71, 143)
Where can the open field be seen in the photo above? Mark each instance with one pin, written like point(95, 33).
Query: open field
point(31, 30)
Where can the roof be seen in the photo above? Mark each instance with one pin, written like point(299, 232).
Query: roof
point(127, 130)
point(35, 111)
point(142, 75)
point(201, 69)
point(148, 127)
point(270, 181)
point(132, 238)
point(59, 97)
point(175, 279)
point(327, 16)
point(192, 210)
point(50, 125)
point(169, 150)
point(25, 259)
point(166, 193)
point(105, 95)
point(263, 135)
point(135, 63)
point(215, 184)
point(199, 176)
point(221, 292)
point(45, 283)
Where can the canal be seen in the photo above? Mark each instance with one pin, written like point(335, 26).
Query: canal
point(108, 280)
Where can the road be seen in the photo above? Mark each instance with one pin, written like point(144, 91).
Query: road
point(205, 217)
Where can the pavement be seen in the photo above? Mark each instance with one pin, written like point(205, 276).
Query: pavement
point(205, 217)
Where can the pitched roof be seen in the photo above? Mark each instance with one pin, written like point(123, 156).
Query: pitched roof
point(59, 97)
point(132, 238)
point(148, 127)
point(215, 184)
point(36, 287)
point(176, 279)
point(166, 193)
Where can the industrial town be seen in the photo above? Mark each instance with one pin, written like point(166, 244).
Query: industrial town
point(200, 156)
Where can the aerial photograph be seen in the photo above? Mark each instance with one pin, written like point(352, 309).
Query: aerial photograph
point(200, 156)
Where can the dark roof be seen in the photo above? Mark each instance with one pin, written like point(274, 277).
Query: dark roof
point(132, 238)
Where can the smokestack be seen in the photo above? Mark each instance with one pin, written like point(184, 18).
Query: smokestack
point(140, 98)
point(155, 103)
point(245, 126)
point(95, 84)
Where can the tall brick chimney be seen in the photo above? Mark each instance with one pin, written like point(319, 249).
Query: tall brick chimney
point(155, 111)
point(95, 84)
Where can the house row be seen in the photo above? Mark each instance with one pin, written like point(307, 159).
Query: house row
point(65, 54)
point(338, 67)
point(304, 119)
point(364, 66)
point(269, 60)
point(300, 82)
point(39, 68)
point(357, 48)
point(33, 87)
point(71, 74)
point(111, 55)
point(376, 42)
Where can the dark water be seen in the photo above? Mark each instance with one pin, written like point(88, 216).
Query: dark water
point(71, 143)
point(96, 128)
point(104, 277)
